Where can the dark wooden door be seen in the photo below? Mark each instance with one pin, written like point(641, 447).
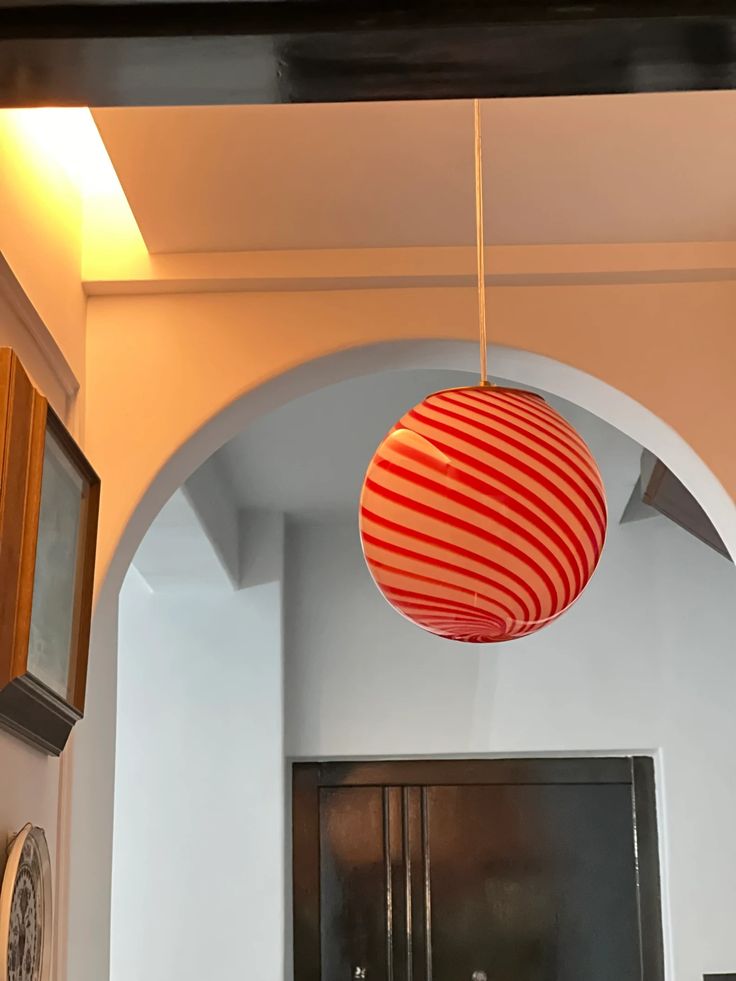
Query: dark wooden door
point(525, 870)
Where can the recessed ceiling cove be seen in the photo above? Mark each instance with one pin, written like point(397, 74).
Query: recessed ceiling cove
point(583, 169)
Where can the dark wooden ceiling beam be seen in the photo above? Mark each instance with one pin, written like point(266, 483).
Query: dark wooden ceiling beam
point(270, 51)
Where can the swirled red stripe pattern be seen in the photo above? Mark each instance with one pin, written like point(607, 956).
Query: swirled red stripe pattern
point(483, 514)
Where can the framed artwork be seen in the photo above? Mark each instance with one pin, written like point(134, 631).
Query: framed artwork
point(49, 502)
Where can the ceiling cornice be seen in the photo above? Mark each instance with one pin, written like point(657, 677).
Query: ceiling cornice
point(404, 268)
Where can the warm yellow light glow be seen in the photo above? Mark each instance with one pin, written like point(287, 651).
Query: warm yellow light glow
point(68, 140)
point(70, 137)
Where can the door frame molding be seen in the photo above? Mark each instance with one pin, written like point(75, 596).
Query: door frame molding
point(309, 777)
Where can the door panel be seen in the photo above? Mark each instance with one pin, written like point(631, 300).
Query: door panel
point(512, 870)
point(533, 883)
point(416, 861)
point(353, 896)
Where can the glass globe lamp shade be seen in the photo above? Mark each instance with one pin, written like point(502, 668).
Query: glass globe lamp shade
point(482, 514)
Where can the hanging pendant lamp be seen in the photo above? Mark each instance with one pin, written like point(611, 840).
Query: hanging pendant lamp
point(483, 513)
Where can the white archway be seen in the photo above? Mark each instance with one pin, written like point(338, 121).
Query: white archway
point(519, 367)
point(92, 793)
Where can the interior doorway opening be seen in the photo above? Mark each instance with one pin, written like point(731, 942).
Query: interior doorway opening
point(281, 648)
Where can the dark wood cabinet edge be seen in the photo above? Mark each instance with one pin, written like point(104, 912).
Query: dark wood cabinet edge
point(644, 810)
point(415, 772)
point(306, 872)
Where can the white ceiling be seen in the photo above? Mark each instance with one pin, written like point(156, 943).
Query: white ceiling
point(308, 459)
point(596, 169)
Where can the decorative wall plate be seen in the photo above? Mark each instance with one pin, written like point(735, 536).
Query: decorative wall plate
point(25, 909)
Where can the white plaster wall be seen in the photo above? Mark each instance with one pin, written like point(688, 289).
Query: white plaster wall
point(30, 791)
point(646, 661)
point(198, 866)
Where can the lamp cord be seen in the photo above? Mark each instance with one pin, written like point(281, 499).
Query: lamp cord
point(480, 247)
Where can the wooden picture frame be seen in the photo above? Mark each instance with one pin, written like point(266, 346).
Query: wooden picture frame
point(49, 504)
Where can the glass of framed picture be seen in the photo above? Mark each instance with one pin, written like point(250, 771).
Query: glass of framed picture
point(49, 501)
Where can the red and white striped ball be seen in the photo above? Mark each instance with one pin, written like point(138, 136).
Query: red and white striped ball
point(482, 515)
